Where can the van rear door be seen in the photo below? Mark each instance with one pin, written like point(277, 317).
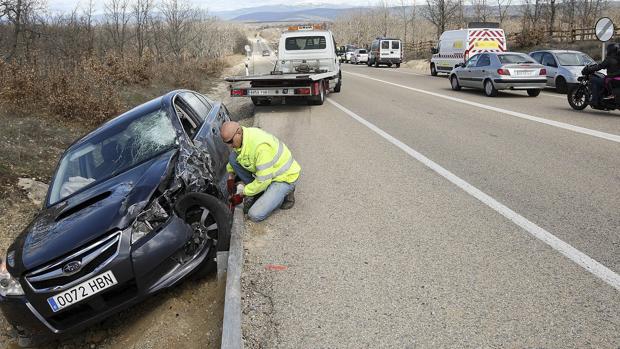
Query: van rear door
point(396, 48)
point(485, 40)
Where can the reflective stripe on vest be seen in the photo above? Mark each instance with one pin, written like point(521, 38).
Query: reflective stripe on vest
point(273, 161)
point(282, 169)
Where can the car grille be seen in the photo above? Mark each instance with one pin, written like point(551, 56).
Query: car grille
point(91, 259)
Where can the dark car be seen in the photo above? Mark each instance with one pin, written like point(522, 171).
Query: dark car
point(133, 208)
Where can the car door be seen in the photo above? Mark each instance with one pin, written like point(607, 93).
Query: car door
point(207, 136)
point(481, 70)
point(551, 66)
point(465, 74)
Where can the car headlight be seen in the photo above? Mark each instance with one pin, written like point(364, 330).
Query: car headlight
point(9, 286)
point(148, 220)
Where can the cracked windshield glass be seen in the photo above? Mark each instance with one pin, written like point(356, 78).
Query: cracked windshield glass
point(109, 154)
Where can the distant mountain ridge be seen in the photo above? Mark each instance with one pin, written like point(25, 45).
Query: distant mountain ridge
point(276, 11)
point(315, 14)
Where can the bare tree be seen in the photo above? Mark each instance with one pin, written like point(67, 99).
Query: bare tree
point(441, 13)
point(179, 17)
point(482, 10)
point(141, 12)
point(502, 9)
point(117, 18)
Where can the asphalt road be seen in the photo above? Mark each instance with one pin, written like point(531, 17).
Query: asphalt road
point(388, 245)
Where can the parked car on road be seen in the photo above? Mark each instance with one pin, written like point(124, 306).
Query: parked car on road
point(349, 49)
point(133, 208)
point(359, 56)
point(266, 53)
point(563, 66)
point(500, 71)
point(387, 51)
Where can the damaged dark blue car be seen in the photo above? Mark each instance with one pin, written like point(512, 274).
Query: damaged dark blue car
point(133, 208)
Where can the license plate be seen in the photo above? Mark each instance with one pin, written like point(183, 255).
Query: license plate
point(82, 291)
point(258, 92)
point(524, 72)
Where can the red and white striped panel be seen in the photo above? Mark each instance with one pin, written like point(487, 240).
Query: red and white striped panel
point(485, 35)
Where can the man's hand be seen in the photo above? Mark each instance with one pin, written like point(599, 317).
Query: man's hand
point(240, 188)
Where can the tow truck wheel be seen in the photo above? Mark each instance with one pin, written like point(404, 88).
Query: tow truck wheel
point(338, 86)
point(397, 65)
point(320, 98)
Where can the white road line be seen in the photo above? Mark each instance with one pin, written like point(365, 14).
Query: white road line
point(583, 260)
point(555, 96)
point(562, 125)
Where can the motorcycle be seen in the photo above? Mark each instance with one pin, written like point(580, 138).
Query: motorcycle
point(579, 95)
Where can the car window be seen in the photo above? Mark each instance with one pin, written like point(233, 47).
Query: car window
point(537, 56)
point(305, 43)
point(574, 58)
point(483, 61)
point(395, 45)
point(548, 60)
point(472, 61)
point(112, 152)
point(385, 45)
point(514, 58)
point(197, 105)
point(362, 51)
point(190, 125)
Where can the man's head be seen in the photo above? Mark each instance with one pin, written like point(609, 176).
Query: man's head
point(232, 134)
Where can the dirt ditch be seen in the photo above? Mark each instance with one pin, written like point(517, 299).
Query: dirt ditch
point(188, 316)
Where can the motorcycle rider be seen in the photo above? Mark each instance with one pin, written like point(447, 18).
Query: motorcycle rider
point(612, 64)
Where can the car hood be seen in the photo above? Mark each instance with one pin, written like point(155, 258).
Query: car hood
point(86, 216)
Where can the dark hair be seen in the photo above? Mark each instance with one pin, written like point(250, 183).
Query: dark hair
point(612, 49)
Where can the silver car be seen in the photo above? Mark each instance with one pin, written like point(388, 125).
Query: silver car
point(359, 56)
point(563, 66)
point(493, 71)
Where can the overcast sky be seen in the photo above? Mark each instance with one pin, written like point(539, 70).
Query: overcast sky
point(219, 5)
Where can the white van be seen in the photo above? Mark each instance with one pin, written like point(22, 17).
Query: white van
point(456, 46)
point(307, 45)
point(385, 51)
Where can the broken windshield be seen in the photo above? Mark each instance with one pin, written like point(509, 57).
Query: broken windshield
point(110, 153)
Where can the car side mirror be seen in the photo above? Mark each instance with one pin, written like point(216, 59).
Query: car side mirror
point(434, 50)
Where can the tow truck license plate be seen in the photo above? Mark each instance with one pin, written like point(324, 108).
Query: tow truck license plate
point(82, 291)
point(258, 92)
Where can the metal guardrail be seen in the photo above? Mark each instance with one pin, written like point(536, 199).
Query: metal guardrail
point(231, 327)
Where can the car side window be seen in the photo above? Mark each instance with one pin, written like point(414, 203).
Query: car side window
point(201, 110)
point(190, 124)
point(548, 60)
point(537, 56)
point(472, 61)
point(483, 61)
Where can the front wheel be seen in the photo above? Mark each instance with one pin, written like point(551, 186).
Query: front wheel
point(454, 82)
point(578, 97)
point(397, 65)
point(533, 92)
point(210, 220)
point(433, 70)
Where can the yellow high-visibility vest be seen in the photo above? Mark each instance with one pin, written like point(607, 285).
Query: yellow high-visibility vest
point(267, 158)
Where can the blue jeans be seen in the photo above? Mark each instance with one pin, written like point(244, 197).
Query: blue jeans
point(271, 199)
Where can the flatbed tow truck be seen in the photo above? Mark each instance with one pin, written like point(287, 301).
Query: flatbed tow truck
point(307, 67)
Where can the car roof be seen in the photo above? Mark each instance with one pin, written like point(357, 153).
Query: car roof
point(557, 51)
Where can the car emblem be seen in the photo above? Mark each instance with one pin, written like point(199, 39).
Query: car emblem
point(72, 267)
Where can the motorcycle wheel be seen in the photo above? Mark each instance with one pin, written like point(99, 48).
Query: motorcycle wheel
point(578, 97)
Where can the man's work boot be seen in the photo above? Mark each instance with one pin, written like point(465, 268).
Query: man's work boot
point(289, 201)
point(248, 201)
